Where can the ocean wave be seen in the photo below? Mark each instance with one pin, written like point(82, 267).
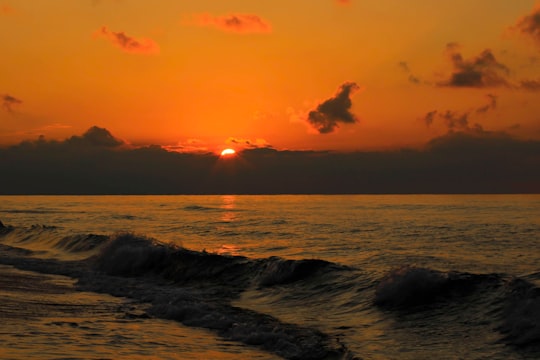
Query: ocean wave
point(521, 315)
point(128, 254)
point(209, 208)
point(130, 265)
point(411, 286)
point(32, 211)
point(197, 288)
point(513, 302)
point(277, 271)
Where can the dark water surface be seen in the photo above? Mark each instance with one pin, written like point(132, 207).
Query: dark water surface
point(372, 277)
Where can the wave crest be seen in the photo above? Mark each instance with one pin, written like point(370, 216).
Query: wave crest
point(410, 286)
point(128, 254)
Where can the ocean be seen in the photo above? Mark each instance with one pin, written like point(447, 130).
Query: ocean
point(270, 277)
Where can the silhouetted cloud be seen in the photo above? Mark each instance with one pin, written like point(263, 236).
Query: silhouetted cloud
point(95, 163)
point(96, 136)
point(529, 25)
point(453, 120)
point(490, 106)
point(188, 146)
point(403, 65)
point(430, 117)
point(530, 85)
point(237, 23)
point(247, 143)
point(481, 71)
point(327, 116)
point(9, 102)
point(129, 44)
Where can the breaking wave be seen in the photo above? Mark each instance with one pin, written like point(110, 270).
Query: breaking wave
point(196, 288)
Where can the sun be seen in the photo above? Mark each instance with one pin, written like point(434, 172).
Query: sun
point(228, 152)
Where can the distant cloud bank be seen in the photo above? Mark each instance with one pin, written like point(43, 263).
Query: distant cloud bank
point(98, 163)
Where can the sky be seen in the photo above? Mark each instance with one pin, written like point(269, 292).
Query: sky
point(315, 96)
point(197, 76)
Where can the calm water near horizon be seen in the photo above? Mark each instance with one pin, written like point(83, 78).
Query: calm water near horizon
point(400, 277)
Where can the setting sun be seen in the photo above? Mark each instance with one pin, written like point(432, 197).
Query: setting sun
point(228, 152)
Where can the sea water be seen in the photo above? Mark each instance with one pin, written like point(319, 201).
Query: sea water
point(203, 277)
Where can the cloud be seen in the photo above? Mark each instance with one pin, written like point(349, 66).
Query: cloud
point(236, 23)
point(327, 116)
point(530, 85)
point(458, 120)
point(95, 137)
point(9, 102)
point(247, 143)
point(430, 117)
point(481, 71)
point(453, 120)
point(188, 146)
point(129, 44)
point(529, 25)
point(344, 2)
point(403, 65)
point(94, 163)
point(490, 106)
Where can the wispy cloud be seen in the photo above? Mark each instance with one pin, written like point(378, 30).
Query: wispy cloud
point(248, 143)
point(480, 71)
point(489, 106)
point(188, 146)
point(128, 43)
point(461, 120)
point(328, 114)
point(529, 25)
point(403, 65)
point(236, 23)
point(530, 85)
point(9, 102)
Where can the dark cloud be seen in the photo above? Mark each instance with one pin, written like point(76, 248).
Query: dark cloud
point(96, 136)
point(129, 44)
point(327, 116)
point(490, 106)
point(403, 65)
point(529, 25)
point(248, 143)
point(9, 102)
point(413, 79)
point(460, 121)
point(481, 71)
point(237, 23)
point(430, 117)
point(530, 85)
point(454, 120)
point(458, 162)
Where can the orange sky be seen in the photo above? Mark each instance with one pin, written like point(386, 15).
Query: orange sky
point(295, 74)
